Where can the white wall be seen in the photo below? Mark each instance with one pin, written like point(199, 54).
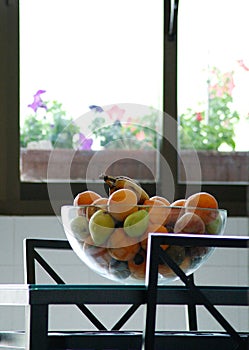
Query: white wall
point(224, 267)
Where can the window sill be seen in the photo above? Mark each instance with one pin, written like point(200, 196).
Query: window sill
point(219, 167)
point(68, 164)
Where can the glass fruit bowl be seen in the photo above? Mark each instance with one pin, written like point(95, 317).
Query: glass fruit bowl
point(112, 240)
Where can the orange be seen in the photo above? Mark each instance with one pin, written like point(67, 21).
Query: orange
point(121, 246)
point(122, 203)
point(178, 203)
point(151, 228)
point(162, 199)
point(85, 198)
point(158, 211)
point(203, 200)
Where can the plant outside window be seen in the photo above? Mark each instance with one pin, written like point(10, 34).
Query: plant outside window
point(212, 128)
point(50, 127)
point(54, 146)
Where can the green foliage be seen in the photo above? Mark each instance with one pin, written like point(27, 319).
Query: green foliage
point(34, 129)
point(211, 128)
point(53, 126)
point(62, 128)
point(133, 134)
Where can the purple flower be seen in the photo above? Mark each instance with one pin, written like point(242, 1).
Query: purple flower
point(38, 103)
point(96, 108)
point(84, 143)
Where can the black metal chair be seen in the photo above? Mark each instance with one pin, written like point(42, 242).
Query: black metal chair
point(208, 297)
point(99, 339)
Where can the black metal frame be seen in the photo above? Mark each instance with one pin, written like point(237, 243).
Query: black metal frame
point(31, 255)
point(195, 292)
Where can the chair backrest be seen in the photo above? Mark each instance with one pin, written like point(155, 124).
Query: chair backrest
point(223, 296)
point(103, 337)
point(31, 255)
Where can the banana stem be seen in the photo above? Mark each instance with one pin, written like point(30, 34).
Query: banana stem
point(110, 181)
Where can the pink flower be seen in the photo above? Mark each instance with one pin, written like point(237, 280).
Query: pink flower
point(115, 113)
point(129, 121)
point(199, 116)
point(216, 90)
point(221, 84)
point(242, 65)
point(140, 136)
point(228, 82)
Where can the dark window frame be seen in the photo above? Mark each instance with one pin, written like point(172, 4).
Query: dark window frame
point(18, 198)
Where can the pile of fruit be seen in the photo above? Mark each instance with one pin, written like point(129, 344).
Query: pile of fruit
point(113, 231)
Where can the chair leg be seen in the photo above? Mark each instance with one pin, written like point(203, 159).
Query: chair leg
point(36, 335)
point(192, 315)
point(148, 342)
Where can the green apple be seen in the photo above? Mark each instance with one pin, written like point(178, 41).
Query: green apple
point(214, 227)
point(136, 223)
point(79, 227)
point(101, 226)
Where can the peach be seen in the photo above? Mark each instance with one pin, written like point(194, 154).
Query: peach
point(122, 203)
point(137, 265)
point(166, 271)
point(203, 200)
point(122, 247)
point(189, 223)
point(158, 211)
point(175, 212)
point(99, 203)
point(177, 254)
point(97, 255)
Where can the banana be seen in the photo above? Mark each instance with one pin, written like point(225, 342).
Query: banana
point(118, 182)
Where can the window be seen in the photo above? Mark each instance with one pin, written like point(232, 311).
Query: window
point(213, 76)
point(18, 197)
point(99, 53)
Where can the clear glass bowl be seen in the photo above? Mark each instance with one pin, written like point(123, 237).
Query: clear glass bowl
point(113, 241)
